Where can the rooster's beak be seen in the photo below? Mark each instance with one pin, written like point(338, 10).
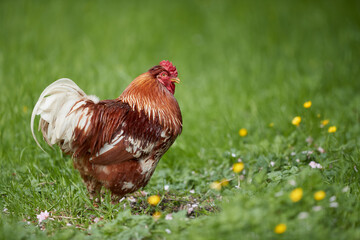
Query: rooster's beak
point(175, 80)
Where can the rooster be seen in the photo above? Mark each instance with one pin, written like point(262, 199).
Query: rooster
point(114, 143)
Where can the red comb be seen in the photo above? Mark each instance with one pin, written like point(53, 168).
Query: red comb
point(169, 67)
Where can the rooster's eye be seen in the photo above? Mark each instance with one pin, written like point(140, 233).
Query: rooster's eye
point(163, 74)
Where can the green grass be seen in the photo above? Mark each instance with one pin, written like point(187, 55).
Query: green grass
point(243, 64)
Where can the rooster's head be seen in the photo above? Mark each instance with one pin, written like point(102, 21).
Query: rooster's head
point(166, 74)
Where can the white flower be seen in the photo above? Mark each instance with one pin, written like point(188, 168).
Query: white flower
point(233, 155)
point(239, 160)
point(333, 199)
point(272, 163)
point(278, 194)
point(192, 191)
point(168, 231)
point(316, 208)
point(131, 199)
point(5, 210)
point(293, 153)
point(303, 215)
point(68, 224)
point(297, 160)
point(334, 204)
point(190, 210)
point(321, 150)
point(314, 164)
point(168, 217)
point(96, 220)
point(292, 182)
point(307, 152)
point(166, 187)
point(345, 189)
point(42, 216)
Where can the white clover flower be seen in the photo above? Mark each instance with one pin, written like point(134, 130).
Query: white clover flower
point(42, 216)
point(316, 208)
point(292, 182)
point(278, 194)
point(320, 150)
point(314, 164)
point(303, 215)
point(346, 189)
point(334, 204)
point(190, 210)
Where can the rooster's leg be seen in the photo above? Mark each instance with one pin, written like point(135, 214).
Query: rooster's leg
point(115, 198)
point(93, 187)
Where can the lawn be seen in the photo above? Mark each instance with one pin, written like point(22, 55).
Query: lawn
point(243, 65)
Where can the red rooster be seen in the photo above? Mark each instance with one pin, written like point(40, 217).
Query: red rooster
point(114, 143)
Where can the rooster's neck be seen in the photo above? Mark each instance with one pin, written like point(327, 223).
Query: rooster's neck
point(147, 95)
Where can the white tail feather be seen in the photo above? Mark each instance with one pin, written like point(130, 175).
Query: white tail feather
point(54, 106)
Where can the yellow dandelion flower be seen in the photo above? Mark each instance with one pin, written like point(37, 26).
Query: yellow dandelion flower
point(224, 182)
point(325, 122)
point(243, 132)
point(296, 121)
point(332, 129)
point(271, 124)
point(280, 228)
point(307, 104)
point(215, 185)
point(25, 109)
point(156, 215)
point(154, 200)
point(319, 195)
point(238, 167)
point(296, 194)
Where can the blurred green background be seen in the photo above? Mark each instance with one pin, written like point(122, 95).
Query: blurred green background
point(242, 64)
